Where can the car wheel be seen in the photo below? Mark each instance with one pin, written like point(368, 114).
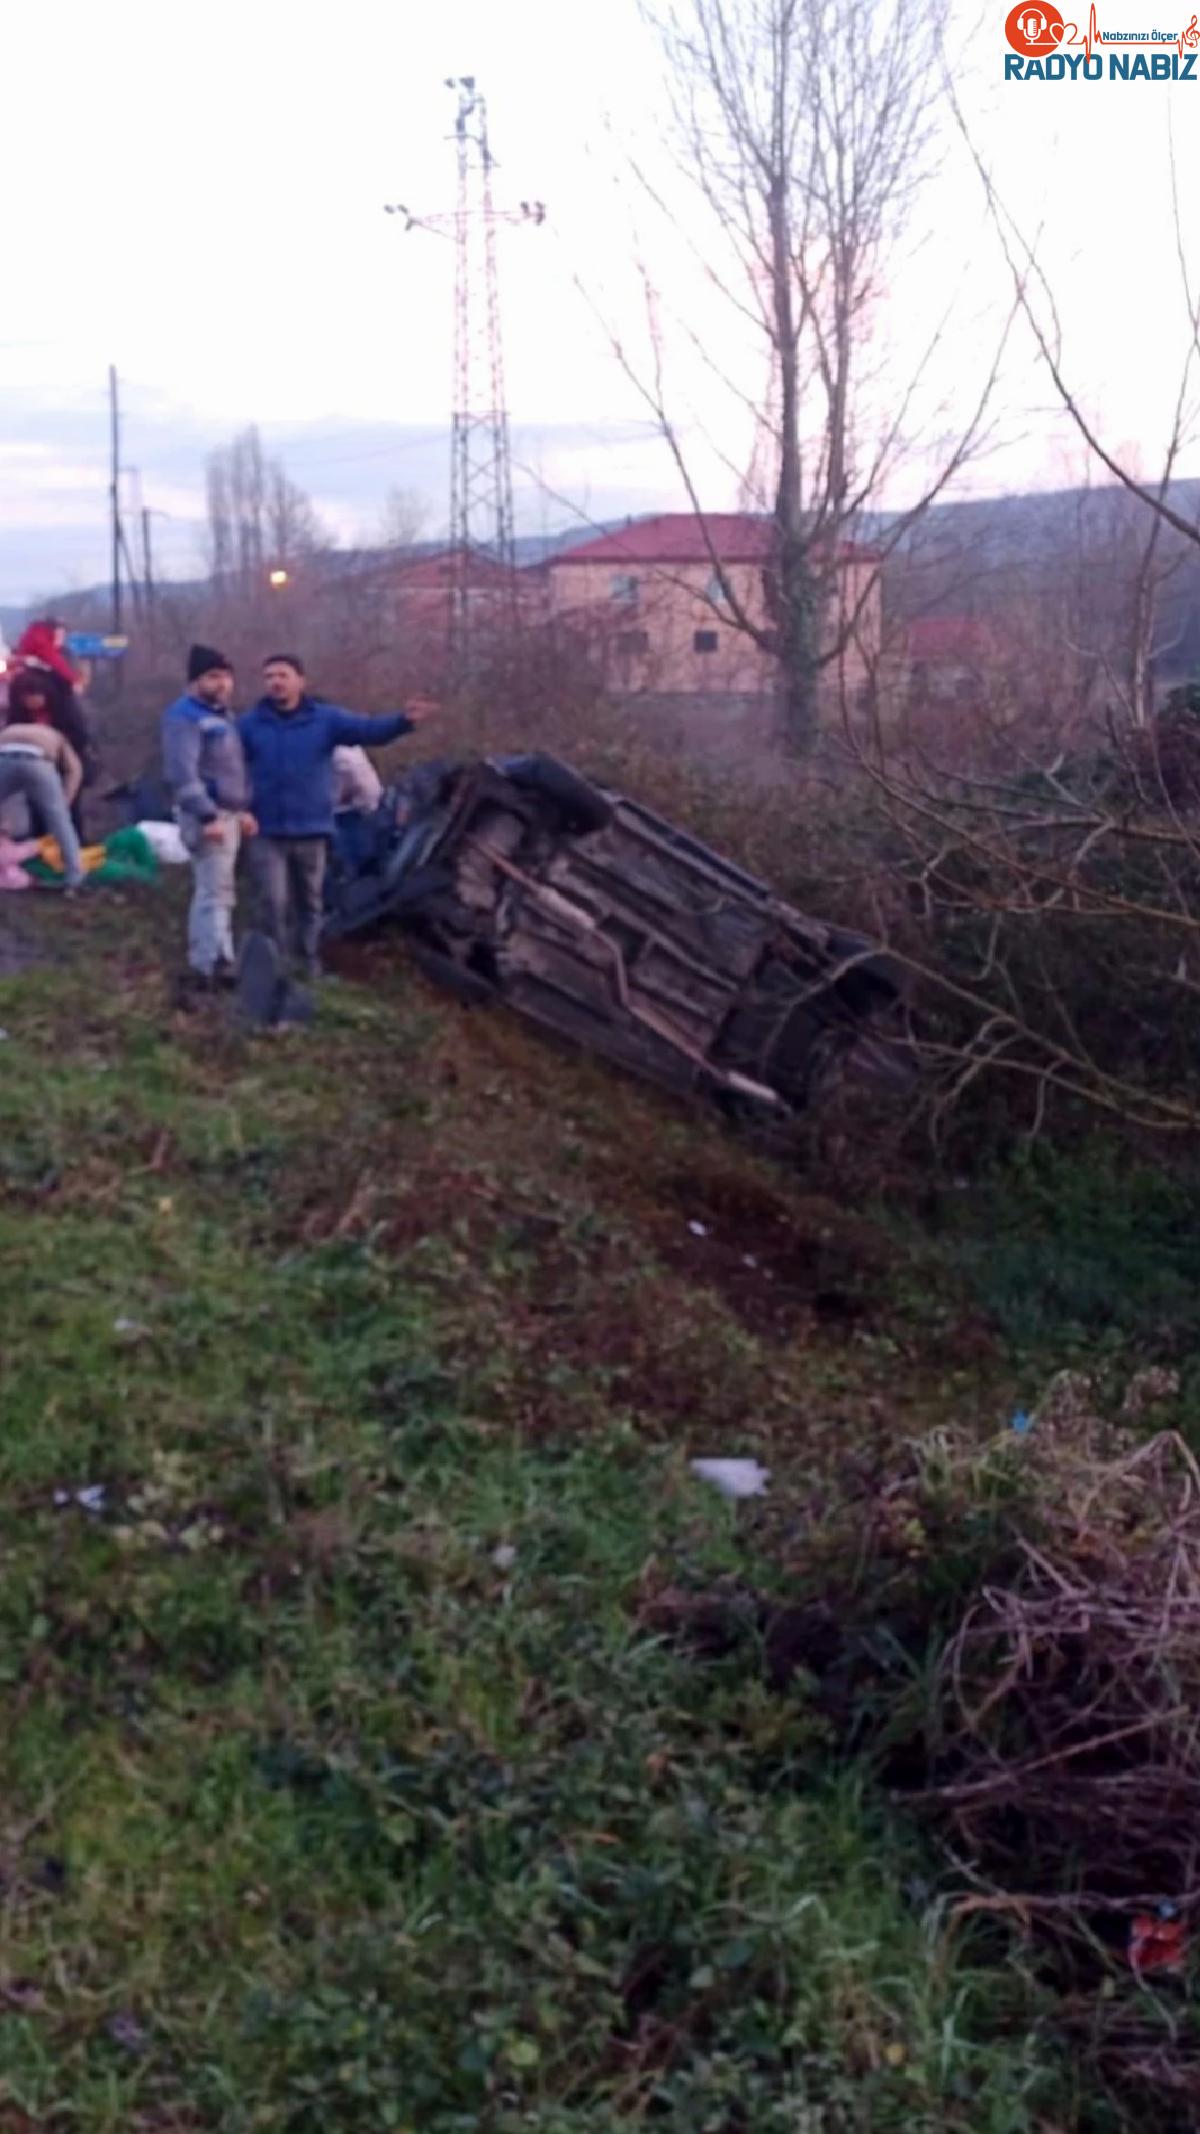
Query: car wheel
point(451, 976)
point(581, 808)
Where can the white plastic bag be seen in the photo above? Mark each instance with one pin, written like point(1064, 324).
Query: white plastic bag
point(734, 1478)
point(165, 840)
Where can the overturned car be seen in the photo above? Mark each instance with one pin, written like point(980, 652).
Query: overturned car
point(516, 880)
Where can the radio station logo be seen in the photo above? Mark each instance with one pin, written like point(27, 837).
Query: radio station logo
point(1044, 46)
point(1035, 31)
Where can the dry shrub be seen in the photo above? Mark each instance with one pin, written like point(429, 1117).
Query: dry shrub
point(1164, 757)
point(1069, 1732)
point(1054, 1745)
point(1068, 1695)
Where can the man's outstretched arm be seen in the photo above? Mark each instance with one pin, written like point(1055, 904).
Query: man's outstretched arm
point(352, 730)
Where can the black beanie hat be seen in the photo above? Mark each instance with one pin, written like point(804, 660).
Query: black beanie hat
point(202, 660)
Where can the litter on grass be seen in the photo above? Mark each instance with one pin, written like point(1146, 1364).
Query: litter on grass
point(92, 1499)
point(734, 1478)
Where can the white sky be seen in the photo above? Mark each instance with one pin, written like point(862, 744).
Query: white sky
point(196, 194)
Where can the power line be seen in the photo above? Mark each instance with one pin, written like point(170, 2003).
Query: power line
point(345, 459)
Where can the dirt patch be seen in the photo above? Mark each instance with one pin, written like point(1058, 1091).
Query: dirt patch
point(21, 944)
point(544, 1313)
point(450, 1202)
point(649, 1352)
point(585, 1249)
point(549, 1294)
point(398, 1205)
point(777, 1263)
point(366, 959)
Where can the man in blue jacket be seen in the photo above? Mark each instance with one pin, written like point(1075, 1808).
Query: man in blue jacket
point(289, 739)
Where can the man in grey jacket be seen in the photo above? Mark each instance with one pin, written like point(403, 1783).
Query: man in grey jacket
point(205, 768)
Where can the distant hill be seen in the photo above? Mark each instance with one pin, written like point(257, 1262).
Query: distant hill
point(1006, 529)
point(972, 556)
point(531, 550)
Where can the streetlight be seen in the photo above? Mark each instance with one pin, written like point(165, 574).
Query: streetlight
point(278, 578)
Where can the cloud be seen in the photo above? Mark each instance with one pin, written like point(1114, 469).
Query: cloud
point(54, 477)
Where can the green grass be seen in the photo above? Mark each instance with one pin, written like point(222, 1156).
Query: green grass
point(339, 1786)
point(1085, 1255)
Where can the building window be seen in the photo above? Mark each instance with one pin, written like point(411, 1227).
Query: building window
point(714, 592)
point(705, 641)
point(625, 588)
point(633, 641)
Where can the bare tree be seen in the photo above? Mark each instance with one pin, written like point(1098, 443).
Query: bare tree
point(1073, 600)
point(1052, 904)
point(1052, 918)
point(295, 533)
point(259, 520)
point(805, 129)
point(1035, 299)
point(405, 513)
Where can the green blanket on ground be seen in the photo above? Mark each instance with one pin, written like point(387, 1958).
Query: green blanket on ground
point(128, 857)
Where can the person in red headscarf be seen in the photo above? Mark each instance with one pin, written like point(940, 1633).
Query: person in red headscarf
point(41, 644)
point(44, 689)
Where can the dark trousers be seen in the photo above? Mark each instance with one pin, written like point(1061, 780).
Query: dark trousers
point(291, 876)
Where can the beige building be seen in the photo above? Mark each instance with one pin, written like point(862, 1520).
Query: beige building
point(649, 601)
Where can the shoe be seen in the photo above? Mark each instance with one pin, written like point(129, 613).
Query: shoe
point(191, 990)
point(266, 996)
point(294, 1005)
point(260, 981)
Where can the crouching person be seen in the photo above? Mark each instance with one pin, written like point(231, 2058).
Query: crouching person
point(357, 794)
point(38, 765)
point(205, 767)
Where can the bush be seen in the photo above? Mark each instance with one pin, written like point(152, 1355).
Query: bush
point(1083, 1245)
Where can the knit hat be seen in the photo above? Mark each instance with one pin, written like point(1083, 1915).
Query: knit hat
point(203, 660)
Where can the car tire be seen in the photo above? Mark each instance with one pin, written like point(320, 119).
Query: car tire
point(451, 976)
point(581, 808)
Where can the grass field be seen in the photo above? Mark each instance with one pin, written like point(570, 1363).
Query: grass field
point(349, 1382)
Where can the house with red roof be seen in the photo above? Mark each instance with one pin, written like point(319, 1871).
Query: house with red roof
point(402, 605)
point(649, 599)
point(960, 659)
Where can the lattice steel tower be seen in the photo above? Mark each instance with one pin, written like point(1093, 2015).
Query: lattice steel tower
point(481, 504)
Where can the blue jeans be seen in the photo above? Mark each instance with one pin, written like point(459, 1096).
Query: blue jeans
point(214, 892)
point(291, 875)
point(27, 772)
point(354, 838)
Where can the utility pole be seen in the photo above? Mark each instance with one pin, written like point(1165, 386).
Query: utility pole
point(147, 564)
point(481, 504)
point(115, 496)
